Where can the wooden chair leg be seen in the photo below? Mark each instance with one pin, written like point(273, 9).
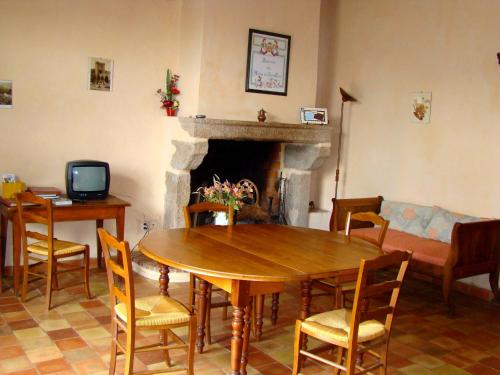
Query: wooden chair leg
point(164, 340)
point(129, 351)
point(192, 288)
point(383, 359)
point(48, 294)
point(297, 363)
point(86, 271)
point(447, 291)
point(192, 343)
point(494, 276)
point(114, 336)
point(55, 280)
point(340, 356)
point(208, 333)
point(24, 290)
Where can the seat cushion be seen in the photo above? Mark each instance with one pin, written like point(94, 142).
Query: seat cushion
point(60, 247)
point(335, 325)
point(155, 311)
point(424, 249)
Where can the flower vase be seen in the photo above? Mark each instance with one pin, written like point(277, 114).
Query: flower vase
point(221, 218)
point(171, 111)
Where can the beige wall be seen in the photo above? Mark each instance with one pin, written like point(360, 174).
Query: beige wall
point(223, 68)
point(386, 49)
point(45, 46)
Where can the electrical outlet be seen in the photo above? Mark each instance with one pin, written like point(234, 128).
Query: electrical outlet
point(148, 225)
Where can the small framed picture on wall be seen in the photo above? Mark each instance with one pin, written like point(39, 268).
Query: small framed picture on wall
point(5, 93)
point(100, 75)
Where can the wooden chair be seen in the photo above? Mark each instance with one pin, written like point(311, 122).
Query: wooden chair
point(130, 313)
point(193, 288)
point(340, 287)
point(46, 249)
point(358, 332)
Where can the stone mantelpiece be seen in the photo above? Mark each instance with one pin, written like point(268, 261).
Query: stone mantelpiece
point(304, 148)
point(257, 131)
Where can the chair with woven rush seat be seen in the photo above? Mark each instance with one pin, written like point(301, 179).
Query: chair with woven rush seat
point(131, 314)
point(46, 249)
point(340, 287)
point(358, 331)
point(197, 208)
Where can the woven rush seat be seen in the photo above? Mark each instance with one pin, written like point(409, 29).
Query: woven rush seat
point(59, 247)
point(155, 311)
point(334, 325)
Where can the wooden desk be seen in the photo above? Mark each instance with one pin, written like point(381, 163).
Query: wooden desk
point(251, 260)
point(98, 210)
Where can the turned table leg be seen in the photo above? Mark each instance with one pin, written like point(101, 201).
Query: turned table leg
point(164, 280)
point(274, 308)
point(305, 309)
point(246, 338)
point(202, 314)
point(259, 310)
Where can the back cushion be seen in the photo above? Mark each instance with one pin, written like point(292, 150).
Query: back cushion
point(406, 217)
point(442, 222)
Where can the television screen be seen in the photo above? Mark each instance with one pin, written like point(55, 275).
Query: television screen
point(89, 178)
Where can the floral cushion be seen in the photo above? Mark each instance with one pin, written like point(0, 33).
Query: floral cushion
point(442, 222)
point(406, 217)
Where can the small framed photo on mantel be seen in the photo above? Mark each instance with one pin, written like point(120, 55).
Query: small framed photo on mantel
point(317, 116)
point(267, 62)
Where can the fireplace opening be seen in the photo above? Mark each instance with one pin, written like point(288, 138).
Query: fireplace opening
point(232, 160)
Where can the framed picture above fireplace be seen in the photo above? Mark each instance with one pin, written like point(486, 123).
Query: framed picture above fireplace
point(267, 62)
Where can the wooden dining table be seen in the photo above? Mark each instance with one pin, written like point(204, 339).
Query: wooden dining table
point(249, 260)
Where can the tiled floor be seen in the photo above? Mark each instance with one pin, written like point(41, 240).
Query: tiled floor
point(74, 337)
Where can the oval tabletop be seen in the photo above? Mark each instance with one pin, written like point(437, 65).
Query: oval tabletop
point(257, 252)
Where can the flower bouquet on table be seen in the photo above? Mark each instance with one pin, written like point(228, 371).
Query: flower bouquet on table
point(225, 193)
point(168, 97)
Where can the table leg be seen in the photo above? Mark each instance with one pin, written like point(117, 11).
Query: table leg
point(275, 308)
point(202, 314)
point(305, 309)
point(259, 308)
point(240, 298)
point(99, 224)
point(16, 253)
point(246, 337)
point(164, 280)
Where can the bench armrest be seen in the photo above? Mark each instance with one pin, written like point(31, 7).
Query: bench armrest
point(342, 206)
point(475, 244)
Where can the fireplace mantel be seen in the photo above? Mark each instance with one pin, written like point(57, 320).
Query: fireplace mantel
point(252, 130)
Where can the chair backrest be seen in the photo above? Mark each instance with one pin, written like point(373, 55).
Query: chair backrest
point(42, 214)
point(119, 291)
point(366, 288)
point(342, 206)
point(369, 217)
point(206, 207)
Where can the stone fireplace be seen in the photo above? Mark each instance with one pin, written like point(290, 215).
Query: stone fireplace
point(302, 148)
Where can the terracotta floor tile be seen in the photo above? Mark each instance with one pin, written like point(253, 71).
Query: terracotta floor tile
point(55, 365)
point(479, 369)
point(22, 324)
point(70, 344)
point(60, 334)
point(11, 352)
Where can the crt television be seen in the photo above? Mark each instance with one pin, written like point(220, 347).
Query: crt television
point(87, 179)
